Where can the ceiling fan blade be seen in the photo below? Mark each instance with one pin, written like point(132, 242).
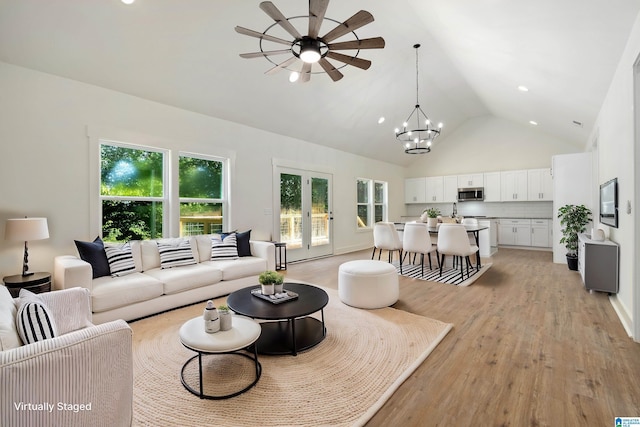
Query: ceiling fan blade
point(356, 21)
point(248, 32)
point(330, 69)
point(350, 60)
point(281, 65)
point(275, 14)
point(373, 43)
point(266, 53)
point(305, 73)
point(317, 9)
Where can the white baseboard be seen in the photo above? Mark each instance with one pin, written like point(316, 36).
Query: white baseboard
point(623, 315)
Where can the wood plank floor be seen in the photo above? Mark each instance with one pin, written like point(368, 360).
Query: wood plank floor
point(529, 347)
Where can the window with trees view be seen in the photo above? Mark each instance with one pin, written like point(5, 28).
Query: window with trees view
point(201, 195)
point(134, 193)
point(371, 202)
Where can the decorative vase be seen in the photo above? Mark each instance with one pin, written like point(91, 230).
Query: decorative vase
point(226, 320)
point(432, 222)
point(278, 288)
point(268, 289)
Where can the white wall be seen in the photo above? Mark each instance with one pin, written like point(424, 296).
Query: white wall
point(614, 132)
point(44, 155)
point(486, 144)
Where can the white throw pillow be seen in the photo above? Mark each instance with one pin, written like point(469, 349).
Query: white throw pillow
point(175, 254)
point(224, 249)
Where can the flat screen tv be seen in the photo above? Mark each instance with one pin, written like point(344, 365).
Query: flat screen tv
point(609, 203)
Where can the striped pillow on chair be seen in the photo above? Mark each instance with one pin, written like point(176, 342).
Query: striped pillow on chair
point(34, 320)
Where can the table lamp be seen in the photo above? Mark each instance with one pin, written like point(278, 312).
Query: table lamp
point(24, 229)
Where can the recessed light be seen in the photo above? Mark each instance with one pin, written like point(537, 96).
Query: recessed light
point(293, 77)
point(523, 88)
point(381, 120)
point(533, 122)
point(127, 1)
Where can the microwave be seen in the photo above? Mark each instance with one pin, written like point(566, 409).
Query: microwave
point(470, 194)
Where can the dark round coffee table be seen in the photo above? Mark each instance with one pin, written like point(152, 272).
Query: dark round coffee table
point(293, 330)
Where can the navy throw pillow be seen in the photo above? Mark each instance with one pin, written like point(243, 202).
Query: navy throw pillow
point(94, 254)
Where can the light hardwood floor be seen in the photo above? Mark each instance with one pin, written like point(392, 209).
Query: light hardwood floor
point(529, 347)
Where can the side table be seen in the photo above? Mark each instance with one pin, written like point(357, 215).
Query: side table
point(243, 334)
point(36, 283)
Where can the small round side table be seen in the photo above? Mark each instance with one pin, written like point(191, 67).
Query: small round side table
point(36, 283)
point(243, 333)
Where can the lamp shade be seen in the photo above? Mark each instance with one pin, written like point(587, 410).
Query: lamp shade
point(25, 229)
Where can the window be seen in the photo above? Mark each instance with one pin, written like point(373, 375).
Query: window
point(135, 201)
point(132, 192)
point(202, 198)
point(371, 202)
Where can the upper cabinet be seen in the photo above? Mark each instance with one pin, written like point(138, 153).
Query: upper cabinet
point(540, 185)
point(514, 186)
point(492, 188)
point(450, 189)
point(472, 180)
point(415, 190)
point(435, 189)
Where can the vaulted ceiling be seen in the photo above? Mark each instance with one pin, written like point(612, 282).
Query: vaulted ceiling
point(474, 55)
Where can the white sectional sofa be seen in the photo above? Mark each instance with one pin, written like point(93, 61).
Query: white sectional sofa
point(152, 289)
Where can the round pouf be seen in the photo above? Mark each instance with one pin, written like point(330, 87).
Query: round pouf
point(368, 284)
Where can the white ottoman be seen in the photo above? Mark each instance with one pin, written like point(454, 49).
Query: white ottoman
point(368, 284)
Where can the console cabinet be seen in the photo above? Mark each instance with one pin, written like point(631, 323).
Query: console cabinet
point(598, 264)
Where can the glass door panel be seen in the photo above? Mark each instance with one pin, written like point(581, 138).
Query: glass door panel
point(291, 210)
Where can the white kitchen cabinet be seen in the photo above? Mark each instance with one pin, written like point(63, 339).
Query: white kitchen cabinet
point(514, 186)
point(540, 233)
point(450, 189)
point(471, 180)
point(415, 190)
point(435, 188)
point(514, 232)
point(492, 187)
point(539, 185)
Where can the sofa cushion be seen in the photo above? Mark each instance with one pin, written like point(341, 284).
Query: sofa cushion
point(70, 308)
point(186, 277)
point(224, 249)
point(113, 292)
point(34, 320)
point(120, 258)
point(9, 337)
point(94, 254)
point(235, 269)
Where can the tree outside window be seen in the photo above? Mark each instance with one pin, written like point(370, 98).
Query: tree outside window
point(371, 202)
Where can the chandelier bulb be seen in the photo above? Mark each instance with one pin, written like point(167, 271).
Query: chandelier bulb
point(405, 124)
point(416, 140)
point(409, 133)
point(440, 125)
point(427, 122)
point(397, 131)
point(429, 143)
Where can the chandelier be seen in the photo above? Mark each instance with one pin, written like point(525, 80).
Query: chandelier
point(418, 139)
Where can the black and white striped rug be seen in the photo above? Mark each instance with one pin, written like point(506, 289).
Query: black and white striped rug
point(449, 275)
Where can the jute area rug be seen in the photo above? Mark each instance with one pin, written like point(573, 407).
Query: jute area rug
point(343, 381)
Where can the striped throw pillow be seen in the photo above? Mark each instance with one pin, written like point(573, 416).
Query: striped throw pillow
point(120, 259)
point(226, 248)
point(175, 254)
point(34, 321)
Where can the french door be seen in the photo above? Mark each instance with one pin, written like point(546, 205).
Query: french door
point(303, 213)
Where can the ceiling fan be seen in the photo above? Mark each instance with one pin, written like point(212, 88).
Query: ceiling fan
point(310, 49)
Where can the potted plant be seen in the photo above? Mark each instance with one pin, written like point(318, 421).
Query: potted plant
point(225, 317)
point(573, 220)
point(431, 216)
point(268, 280)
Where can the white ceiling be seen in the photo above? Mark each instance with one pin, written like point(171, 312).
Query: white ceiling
point(474, 55)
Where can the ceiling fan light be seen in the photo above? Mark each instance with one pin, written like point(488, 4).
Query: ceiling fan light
point(310, 50)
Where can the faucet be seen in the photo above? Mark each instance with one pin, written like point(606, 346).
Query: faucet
point(454, 212)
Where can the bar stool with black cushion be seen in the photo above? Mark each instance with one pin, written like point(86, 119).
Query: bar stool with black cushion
point(386, 237)
point(453, 240)
point(239, 338)
point(416, 240)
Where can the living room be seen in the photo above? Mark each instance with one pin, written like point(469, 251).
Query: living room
point(52, 125)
